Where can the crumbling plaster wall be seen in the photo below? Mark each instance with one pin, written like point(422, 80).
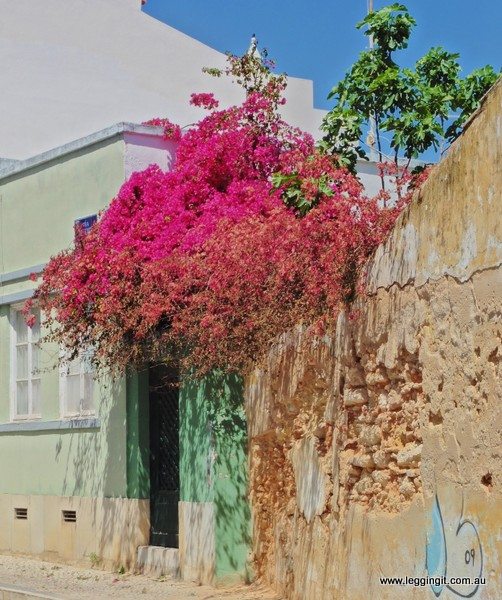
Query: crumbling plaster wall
point(377, 451)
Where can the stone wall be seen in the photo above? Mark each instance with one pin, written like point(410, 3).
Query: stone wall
point(377, 451)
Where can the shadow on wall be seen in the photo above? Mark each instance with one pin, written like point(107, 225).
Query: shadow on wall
point(233, 515)
point(90, 453)
point(214, 466)
point(197, 447)
point(95, 483)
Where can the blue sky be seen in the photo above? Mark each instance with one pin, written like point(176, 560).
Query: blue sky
point(317, 39)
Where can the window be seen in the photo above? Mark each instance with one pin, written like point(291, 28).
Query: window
point(25, 376)
point(77, 386)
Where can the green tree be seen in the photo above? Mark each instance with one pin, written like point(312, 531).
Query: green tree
point(418, 108)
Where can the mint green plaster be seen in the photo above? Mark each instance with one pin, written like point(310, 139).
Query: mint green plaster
point(233, 516)
point(138, 465)
point(214, 467)
point(197, 449)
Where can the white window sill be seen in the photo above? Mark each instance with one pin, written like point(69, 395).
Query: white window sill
point(57, 425)
point(78, 416)
point(26, 418)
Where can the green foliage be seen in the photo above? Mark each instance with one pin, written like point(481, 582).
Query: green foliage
point(414, 107)
point(95, 560)
point(293, 193)
point(468, 95)
point(390, 28)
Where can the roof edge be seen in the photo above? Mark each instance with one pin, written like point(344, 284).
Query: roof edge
point(18, 166)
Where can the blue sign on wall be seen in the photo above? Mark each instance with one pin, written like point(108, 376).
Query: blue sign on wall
point(86, 223)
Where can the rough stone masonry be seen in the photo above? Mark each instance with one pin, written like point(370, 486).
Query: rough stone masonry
point(377, 451)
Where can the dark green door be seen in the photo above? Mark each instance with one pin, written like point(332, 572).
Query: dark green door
point(164, 457)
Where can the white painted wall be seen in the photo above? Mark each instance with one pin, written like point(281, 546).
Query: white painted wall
point(142, 150)
point(71, 67)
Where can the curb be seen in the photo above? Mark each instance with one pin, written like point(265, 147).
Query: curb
point(16, 593)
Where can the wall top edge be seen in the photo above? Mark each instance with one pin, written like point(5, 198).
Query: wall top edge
point(117, 130)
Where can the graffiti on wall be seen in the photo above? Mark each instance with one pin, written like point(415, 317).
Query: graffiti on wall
point(453, 551)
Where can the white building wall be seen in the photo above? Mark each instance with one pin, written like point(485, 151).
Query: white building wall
point(71, 67)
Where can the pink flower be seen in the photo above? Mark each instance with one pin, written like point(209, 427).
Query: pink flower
point(171, 130)
point(207, 101)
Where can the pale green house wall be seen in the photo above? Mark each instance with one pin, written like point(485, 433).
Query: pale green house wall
point(52, 196)
point(52, 464)
point(100, 465)
point(38, 208)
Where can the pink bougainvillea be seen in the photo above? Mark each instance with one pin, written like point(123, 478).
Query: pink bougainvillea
point(207, 101)
point(171, 130)
point(252, 231)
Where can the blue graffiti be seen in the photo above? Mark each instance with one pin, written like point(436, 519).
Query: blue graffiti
point(436, 555)
point(467, 536)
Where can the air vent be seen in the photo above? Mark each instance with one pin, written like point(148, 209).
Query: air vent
point(21, 513)
point(69, 516)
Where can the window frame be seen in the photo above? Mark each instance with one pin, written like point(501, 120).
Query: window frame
point(15, 309)
point(63, 390)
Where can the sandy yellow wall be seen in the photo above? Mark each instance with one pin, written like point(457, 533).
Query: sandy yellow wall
point(376, 451)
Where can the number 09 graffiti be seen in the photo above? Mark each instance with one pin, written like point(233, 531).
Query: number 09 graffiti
point(463, 557)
